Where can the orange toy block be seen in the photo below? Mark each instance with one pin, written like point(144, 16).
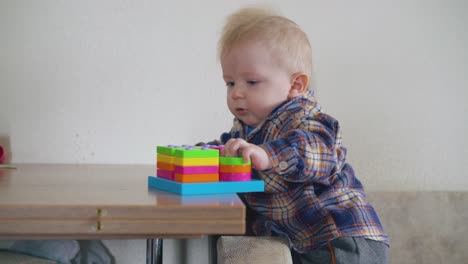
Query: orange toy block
point(185, 178)
point(234, 168)
point(165, 166)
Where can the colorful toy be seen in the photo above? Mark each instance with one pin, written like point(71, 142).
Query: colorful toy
point(2, 154)
point(187, 163)
point(189, 170)
point(234, 169)
point(235, 176)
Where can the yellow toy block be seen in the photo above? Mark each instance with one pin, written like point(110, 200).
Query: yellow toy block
point(165, 158)
point(196, 161)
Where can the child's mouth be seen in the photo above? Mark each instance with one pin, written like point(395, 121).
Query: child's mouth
point(241, 111)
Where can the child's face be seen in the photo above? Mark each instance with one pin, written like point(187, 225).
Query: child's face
point(255, 81)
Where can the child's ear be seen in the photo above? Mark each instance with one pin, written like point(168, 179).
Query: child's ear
point(299, 85)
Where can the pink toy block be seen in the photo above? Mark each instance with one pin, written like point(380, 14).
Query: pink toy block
point(196, 169)
point(235, 177)
point(168, 175)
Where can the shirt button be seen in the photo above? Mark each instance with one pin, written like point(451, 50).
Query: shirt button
point(283, 165)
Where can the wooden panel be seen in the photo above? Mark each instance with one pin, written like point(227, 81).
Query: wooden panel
point(174, 213)
point(47, 212)
point(15, 226)
point(95, 236)
point(174, 227)
point(107, 212)
point(120, 227)
point(90, 185)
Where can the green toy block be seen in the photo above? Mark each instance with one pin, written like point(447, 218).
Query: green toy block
point(196, 152)
point(166, 150)
point(233, 161)
point(188, 151)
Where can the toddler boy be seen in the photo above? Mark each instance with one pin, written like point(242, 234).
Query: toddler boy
point(312, 196)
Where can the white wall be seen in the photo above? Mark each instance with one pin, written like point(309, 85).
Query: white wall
point(107, 81)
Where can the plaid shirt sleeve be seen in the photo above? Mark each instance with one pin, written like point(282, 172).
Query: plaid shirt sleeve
point(309, 150)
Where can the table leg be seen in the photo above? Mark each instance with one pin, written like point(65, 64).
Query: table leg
point(212, 249)
point(154, 247)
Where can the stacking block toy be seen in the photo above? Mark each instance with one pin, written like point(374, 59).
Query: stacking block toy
point(234, 169)
point(189, 170)
point(188, 163)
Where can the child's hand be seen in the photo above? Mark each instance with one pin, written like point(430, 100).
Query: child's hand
point(239, 147)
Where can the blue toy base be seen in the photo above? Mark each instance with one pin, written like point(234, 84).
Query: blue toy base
point(206, 187)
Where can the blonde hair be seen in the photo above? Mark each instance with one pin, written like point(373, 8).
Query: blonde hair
point(285, 38)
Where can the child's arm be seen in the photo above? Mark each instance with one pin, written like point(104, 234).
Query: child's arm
point(310, 151)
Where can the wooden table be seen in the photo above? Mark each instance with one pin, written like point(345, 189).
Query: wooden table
point(53, 201)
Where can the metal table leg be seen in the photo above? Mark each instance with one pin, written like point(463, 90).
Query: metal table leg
point(154, 247)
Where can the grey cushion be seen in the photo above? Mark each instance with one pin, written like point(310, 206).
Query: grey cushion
point(62, 251)
point(7, 257)
point(253, 250)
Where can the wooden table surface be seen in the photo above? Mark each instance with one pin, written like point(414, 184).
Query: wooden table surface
point(41, 201)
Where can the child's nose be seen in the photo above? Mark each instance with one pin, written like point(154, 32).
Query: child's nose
point(237, 92)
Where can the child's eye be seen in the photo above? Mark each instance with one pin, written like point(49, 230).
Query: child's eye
point(229, 84)
point(252, 82)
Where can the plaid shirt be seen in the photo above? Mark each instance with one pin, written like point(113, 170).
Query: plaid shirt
point(311, 195)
